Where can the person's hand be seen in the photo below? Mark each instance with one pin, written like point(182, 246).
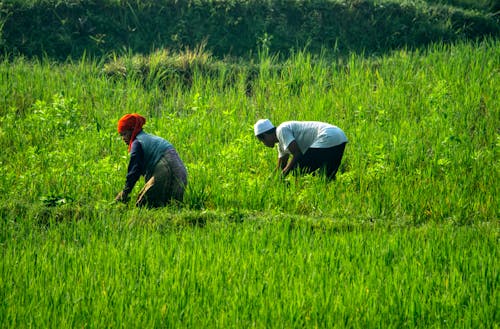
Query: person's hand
point(122, 197)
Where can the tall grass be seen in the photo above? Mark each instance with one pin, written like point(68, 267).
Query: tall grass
point(422, 129)
point(407, 236)
point(257, 273)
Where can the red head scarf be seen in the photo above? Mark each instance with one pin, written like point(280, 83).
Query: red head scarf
point(132, 122)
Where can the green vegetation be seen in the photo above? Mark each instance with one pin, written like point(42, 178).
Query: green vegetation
point(270, 273)
point(406, 237)
point(420, 125)
point(61, 29)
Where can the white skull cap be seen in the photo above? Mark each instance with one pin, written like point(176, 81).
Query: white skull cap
point(262, 126)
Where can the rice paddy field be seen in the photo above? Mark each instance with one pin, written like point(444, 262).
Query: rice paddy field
point(406, 237)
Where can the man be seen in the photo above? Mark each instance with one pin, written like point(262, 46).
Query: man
point(313, 145)
point(154, 158)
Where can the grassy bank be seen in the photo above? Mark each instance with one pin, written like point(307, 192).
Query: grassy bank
point(62, 29)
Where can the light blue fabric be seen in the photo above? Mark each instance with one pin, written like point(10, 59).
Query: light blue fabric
point(153, 148)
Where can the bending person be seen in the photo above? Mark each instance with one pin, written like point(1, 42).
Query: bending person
point(154, 158)
point(313, 145)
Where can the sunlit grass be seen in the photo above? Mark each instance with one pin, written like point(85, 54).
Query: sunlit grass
point(407, 236)
point(266, 271)
point(422, 128)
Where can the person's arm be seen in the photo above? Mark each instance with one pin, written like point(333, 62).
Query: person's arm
point(293, 147)
point(282, 161)
point(135, 170)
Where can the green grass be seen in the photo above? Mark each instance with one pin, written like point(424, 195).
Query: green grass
point(62, 29)
point(422, 126)
point(406, 237)
point(261, 272)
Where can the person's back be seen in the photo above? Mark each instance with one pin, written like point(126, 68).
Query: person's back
point(153, 148)
point(309, 134)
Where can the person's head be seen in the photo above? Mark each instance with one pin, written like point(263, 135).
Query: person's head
point(265, 132)
point(129, 126)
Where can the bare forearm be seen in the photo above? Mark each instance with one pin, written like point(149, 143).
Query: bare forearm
point(296, 155)
point(282, 162)
point(291, 165)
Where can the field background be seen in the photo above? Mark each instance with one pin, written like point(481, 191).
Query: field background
point(406, 237)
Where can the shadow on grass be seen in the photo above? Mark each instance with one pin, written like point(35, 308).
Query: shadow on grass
point(239, 28)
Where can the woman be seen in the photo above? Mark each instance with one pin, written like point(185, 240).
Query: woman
point(154, 158)
point(313, 145)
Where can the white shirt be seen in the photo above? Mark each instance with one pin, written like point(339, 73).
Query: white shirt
point(308, 134)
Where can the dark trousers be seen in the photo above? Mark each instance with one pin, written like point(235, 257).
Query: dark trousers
point(326, 159)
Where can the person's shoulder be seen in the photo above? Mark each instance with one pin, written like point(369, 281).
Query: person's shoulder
point(286, 124)
point(148, 135)
point(136, 145)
